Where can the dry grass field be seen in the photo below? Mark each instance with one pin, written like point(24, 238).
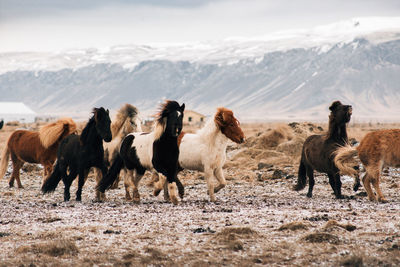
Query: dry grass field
point(257, 219)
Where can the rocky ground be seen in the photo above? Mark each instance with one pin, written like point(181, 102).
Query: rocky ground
point(257, 220)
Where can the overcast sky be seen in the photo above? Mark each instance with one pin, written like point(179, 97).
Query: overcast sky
point(53, 25)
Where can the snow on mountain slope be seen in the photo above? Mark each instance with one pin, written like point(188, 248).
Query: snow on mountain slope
point(288, 75)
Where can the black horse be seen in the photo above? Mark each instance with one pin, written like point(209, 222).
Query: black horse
point(318, 151)
point(1, 124)
point(156, 150)
point(78, 154)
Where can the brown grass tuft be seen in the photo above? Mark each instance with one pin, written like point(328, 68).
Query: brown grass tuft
point(293, 226)
point(332, 224)
point(353, 261)
point(52, 248)
point(321, 238)
point(242, 231)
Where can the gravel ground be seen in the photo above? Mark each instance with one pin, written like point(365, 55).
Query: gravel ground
point(257, 220)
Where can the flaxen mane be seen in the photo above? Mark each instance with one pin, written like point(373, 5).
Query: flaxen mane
point(126, 111)
point(35, 147)
point(50, 133)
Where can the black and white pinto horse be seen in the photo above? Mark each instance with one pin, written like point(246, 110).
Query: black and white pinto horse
point(78, 153)
point(147, 151)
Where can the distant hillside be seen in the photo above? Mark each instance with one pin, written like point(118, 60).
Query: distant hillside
point(290, 84)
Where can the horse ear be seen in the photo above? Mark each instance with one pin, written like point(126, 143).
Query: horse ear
point(108, 112)
point(334, 105)
point(183, 107)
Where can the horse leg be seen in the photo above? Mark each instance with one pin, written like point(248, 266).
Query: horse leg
point(311, 180)
point(367, 185)
point(67, 179)
point(172, 188)
point(116, 182)
point(128, 182)
point(158, 186)
point(135, 193)
point(17, 165)
point(332, 181)
point(47, 169)
point(375, 174)
point(83, 173)
point(208, 174)
point(221, 179)
point(338, 186)
point(99, 175)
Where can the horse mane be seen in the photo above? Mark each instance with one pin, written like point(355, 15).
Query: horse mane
point(335, 131)
point(126, 111)
point(85, 131)
point(224, 116)
point(161, 120)
point(50, 133)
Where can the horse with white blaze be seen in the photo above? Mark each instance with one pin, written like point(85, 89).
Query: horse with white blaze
point(205, 150)
point(147, 151)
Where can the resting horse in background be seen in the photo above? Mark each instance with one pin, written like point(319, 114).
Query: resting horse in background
point(78, 153)
point(35, 147)
point(126, 121)
point(147, 151)
point(205, 150)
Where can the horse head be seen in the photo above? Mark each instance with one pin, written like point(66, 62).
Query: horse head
point(229, 125)
point(103, 121)
point(340, 114)
point(171, 118)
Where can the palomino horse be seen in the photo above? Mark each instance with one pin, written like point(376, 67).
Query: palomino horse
point(317, 153)
point(125, 122)
point(35, 147)
point(205, 150)
point(77, 154)
point(146, 151)
point(376, 150)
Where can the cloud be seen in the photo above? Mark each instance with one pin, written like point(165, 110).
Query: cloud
point(54, 24)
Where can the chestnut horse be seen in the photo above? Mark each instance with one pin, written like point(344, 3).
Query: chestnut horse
point(147, 151)
point(125, 122)
point(205, 150)
point(376, 150)
point(317, 152)
point(35, 147)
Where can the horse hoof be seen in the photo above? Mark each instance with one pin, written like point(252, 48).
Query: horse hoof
point(157, 192)
point(383, 200)
point(309, 195)
point(136, 200)
point(174, 200)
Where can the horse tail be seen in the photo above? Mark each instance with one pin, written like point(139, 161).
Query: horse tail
point(50, 184)
point(51, 133)
point(342, 155)
point(107, 181)
point(5, 156)
point(301, 177)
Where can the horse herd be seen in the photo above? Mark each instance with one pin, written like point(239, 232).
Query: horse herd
point(121, 148)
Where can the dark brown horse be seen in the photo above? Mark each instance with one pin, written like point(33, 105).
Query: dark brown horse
point(35, 147)
point(317, 153)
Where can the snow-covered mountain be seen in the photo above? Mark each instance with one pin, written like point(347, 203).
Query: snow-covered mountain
point(288, 75)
